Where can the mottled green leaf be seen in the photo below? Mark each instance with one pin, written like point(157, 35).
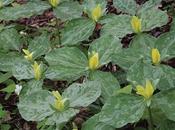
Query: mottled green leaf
point(36, 106)
point(166, 45)
point(167, 79)
point(117, 26)
point(94, 124)
point(126, 58)
point(61, 117)
point(107, 81)
point(68, 10)
point(126, 6)
point(23, 11)
point(82, 95)
point(76, 31)
point(152, 18)
point(8, 60)
point(31, 87)
point(150, 4)
point(23, 70)
point(141, 71)
point(122, 109)
point(105, 46)
point(66, 63)
point(39, 45)
point(10, 39)
point(166, 103)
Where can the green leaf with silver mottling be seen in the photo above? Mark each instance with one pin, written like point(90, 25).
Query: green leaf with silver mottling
point(8, 60)
point(39, 45)
point(31, 87)
point(36, 106)
point(66, 63)
point(68, 10)
point(107, 81)
point(59, 118)
point(94, 124)
point(23, 11)
point(23, 70)
point(126, 6)
point(82, 95)
point(166, 45)
point(152, 18)
point(10, 39)
point(117, 26)
point(122, 109)
point(165, 101)
point(105, 46)
point(140, 71)
point(76, 31)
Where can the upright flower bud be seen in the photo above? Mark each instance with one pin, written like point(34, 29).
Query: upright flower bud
point(59, 102)
point(94, 61)
point(155, 56)
point(37, 70)
point(96, 13)
point(136, 24)
point(28, 54)
point(54, 3)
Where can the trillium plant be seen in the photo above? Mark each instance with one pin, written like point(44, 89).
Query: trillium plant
point(87, 65)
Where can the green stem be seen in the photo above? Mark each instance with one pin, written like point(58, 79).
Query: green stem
point(150, 119)
point(58, 27)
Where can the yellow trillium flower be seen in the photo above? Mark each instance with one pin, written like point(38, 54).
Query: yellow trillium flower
point(37, 70)
point(59, 102)
point(28, 54)
point(94, 61)
point(54, 3)
point(96, 13)
point(146, 91)
point(136, 24)
point(155, 56)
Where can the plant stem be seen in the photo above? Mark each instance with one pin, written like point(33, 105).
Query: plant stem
point(57, 25)
point(150, 119)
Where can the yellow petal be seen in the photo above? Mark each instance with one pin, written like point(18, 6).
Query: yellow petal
point(96, 13)
point(140, 90)
point(54, 3)
point(155, 56)
point(57, 95)
point(136, 24)
point(146, 91)
point(59, 105)
point(149, 89)
point(37, 70)
point(94, 61)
